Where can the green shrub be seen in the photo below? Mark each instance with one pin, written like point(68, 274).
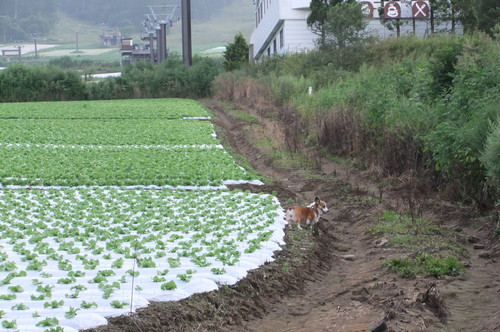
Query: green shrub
point(201, 75)
point(438, 267)
point(491, 155)
point(424, 106)
point(425, 264)
point(284, 88)
point(464, 117)
point(404, 267)
point(442, 67)
point(65, 62)
point(236, 53)
point(20, 83)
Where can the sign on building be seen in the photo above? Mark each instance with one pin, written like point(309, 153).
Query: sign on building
point(367, 9)
point(392, 9)
point(396, 9)
point(420, 9)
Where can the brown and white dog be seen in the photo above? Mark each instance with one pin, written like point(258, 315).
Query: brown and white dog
point(307, 215)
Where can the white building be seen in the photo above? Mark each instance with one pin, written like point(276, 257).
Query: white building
point(281, 25)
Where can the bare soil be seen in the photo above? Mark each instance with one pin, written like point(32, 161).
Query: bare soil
point(333, 278)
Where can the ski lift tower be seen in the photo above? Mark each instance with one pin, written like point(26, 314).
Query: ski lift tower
point(155, 26)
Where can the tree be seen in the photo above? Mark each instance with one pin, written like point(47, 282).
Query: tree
point(481, 15)
point(318, 16)
point(489, 16)
point(343, 29)
point(474, 15)
point(392, 23)
point(236, 53)
point(5, 23)
point(344, 25)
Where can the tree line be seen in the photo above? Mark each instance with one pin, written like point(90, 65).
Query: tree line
point(474, 15)
point(21, 83)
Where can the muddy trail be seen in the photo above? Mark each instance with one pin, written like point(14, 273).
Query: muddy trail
point(334, 278)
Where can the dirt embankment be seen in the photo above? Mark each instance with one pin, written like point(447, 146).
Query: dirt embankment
point(335, 279)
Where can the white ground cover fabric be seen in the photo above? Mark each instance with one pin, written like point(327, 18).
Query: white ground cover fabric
point(106, 206)
point(115, 250)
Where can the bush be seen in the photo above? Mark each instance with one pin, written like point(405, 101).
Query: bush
point(142, 80)
point(236, 53)
point(491, 155)
point(425, 264)
point(286, 87)
point(464, 116)
point(201, 76)
point(172, 78)
point(20, 83)
point(111, 88)
point(413, 105)
point(64, 62)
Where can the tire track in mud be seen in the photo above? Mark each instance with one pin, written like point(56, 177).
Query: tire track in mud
point(337, 299)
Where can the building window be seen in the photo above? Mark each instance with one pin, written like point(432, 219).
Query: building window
point(282, 39)
point(275, 50)
point(269, 51)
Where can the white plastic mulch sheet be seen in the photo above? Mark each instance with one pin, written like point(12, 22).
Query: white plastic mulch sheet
point(69, 257)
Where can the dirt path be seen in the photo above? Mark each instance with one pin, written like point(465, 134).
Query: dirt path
point(335, 279)
point(357, 292)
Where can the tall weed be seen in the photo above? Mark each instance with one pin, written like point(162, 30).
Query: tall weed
point(286, 87)
point(420, 106)
point(464, 116)
point(490, 157)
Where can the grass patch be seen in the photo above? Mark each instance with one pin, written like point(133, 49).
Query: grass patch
point(416, 234)
point(290, 160)
point(336, 158)
point(315, 176)
point(283, 158)
point(244, 116)
point(424, 240)
point(425, 264)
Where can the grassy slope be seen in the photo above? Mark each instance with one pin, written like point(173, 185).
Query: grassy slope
point(216, 32)
point(220, 30)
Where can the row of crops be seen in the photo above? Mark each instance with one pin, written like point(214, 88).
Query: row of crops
point(108, 205)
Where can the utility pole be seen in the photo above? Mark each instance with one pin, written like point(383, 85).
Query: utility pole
point(36, 48)
point(187, 53)
point(77, 41)
point(151, 47)
point(162, 42)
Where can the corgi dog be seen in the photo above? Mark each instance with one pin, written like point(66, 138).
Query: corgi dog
point(307, 215)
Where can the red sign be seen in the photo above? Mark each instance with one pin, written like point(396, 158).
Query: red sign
point(367, 9)
point(392, 10)
point(420, 9)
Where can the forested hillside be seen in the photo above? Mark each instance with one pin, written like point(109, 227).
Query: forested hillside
point(115, 12)
point(21, 19)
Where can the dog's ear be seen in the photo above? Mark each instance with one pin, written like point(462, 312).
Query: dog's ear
point(316, 200)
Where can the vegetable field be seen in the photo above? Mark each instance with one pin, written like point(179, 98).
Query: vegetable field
point(105, 206)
